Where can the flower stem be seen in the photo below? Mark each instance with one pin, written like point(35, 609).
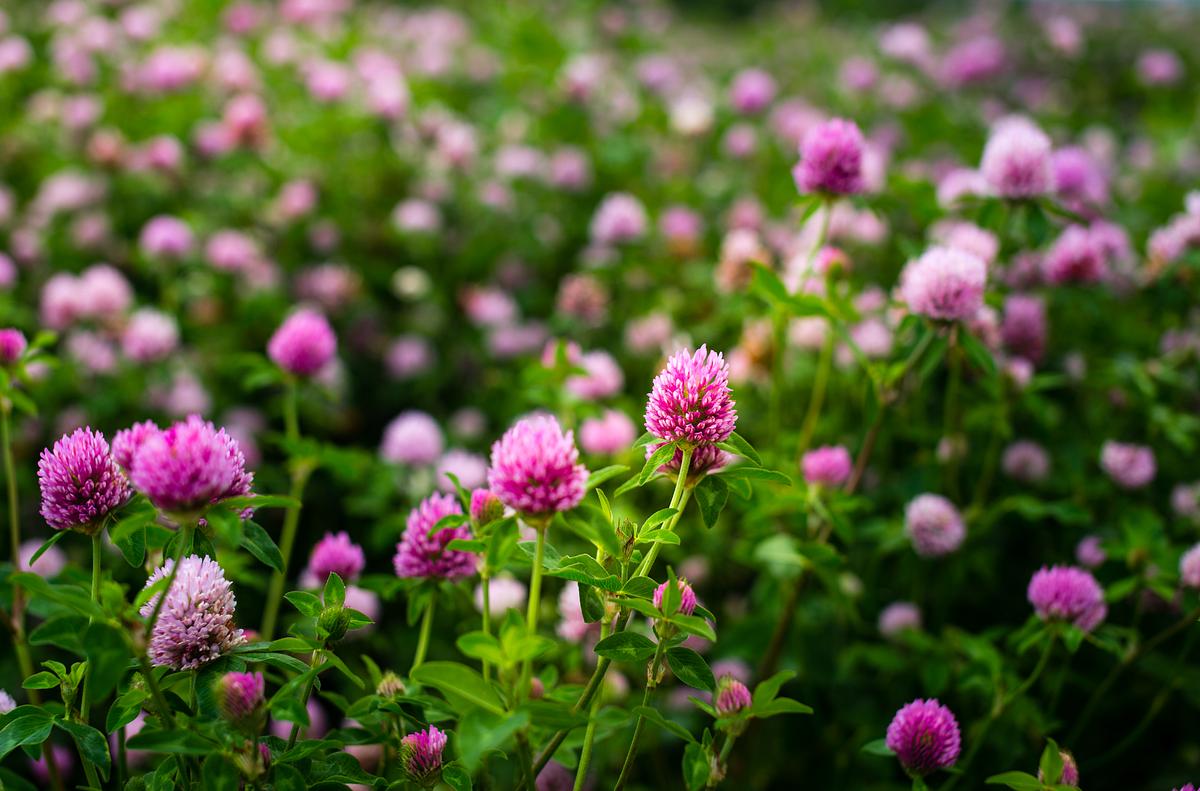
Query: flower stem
point(24, 658)
point(423, 637)
point(885, 397)
point(817, 399)
point(308, 688)
point(535, 593)
point(998, 709)
point(678, 501)
point(651, 675)
point(185, 543)
point(1132, 657)
point(486, 588)
point(950, 414)
point(301, 469)
point(589, 736)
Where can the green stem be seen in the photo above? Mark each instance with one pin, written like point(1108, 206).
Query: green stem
point(535, 600)
point(651, 674)
point(160, 700)
point(678, 501)
point(84, 699)
point(185, 543)
point(301, 469)
point(715, 778)
point(24, 657)
point(14, 521)
point(1132, 657)
point(423, 637)
point(97, 547)
point(998, 709)
point(817, 399)
point(485, 587)
point(308, 688)
point(779, 347)
point(884, 395)
point(589, 736)
point(950, 421)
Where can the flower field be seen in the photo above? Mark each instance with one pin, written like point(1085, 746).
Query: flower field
point(630, 395)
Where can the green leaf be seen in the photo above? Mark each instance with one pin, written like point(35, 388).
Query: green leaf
point(461, 685)
point(657, 518)
point(467, 545)
point(626, 647)
point(657, 459)
point(129, 536)
point(1051, 762)
point(54, 539)
point(653, 715)
point(478, 645)
point(587, 570)
point(693, 625)
point(24, 725)
point(256, 541)
point(446, 522)
point(43, 680)
point(660, 536)
point(602, 475)
point(591, 604)
point(288, 778)
point(746, 472)
point(696, 767)
point(767, 689)
point(690, 668)
point(781, 706)
point(91, 743)
point(65, 632)
point(711, 495)
point(456, 776)
point(335, 591)
point(108, 659)
point(257, 501)
point(738, 444)
point(878, 747)
point(217, 774)
point(1018, 781)
point(307, 603)
point(171, 741)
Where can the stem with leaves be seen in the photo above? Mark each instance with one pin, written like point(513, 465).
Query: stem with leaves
point(313, 664)
point(20, 644)
point(1101, 692)
point(651, 683)
point(885, 395)
point(679, 500)
point(998, 708)
point(589, 735)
